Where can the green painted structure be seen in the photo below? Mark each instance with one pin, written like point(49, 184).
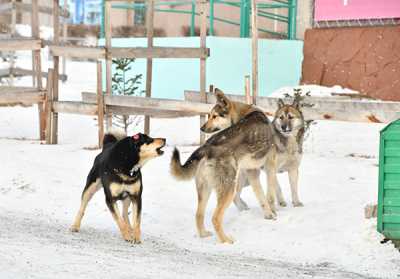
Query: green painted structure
point(389, 182)
point(229, 62)
point(265, 10)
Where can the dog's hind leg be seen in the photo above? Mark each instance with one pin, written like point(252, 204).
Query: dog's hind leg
point(203, 194)
point(123, 227)
point(224, 199)
point(87, 194)
point(125, 208)
point(239, 203)
point(293, 180)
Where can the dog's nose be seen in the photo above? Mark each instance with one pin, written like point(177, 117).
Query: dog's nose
point(202, 129)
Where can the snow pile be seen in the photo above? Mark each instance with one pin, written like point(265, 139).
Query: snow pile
point(46, 33)
point(315, 91)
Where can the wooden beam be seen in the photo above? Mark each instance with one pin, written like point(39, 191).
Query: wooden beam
point(203, 41)
point(78, 52)
point(254, 50)
point(150, 50)
point(20, 44)
point(324, 108)
point(74, 107)
point(159, 52)
point(194, 108)
point(21, 98)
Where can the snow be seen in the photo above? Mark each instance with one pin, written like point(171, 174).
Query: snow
point(314, 90)
point(40, 187)
point(46, 33)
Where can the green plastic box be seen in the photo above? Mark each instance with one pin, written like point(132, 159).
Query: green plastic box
point(389, 181)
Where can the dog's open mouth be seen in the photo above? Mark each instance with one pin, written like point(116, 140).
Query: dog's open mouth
point(159, 150)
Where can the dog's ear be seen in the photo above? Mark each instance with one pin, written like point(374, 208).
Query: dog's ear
point(280, 103)
point(296, 103)
point(221, 98)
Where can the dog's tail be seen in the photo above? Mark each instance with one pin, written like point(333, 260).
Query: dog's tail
point(189, 168)
point(113, 136)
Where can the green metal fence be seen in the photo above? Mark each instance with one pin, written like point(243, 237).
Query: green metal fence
point(265, 10)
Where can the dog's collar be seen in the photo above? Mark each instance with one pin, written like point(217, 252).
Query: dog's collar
point(134, 171)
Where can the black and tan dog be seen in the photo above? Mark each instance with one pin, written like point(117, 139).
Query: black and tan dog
point(117, 170)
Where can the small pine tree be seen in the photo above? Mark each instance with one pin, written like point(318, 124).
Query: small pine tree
point(127, 85)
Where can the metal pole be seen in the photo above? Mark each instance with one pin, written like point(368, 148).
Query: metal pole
point(193, 19)
point(102, 19)
point(293, 19)
point(211, 17)
point(246, 27)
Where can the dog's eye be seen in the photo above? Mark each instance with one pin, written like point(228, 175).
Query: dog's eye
point(281, 117)
point(290, 116)
point(214, 116)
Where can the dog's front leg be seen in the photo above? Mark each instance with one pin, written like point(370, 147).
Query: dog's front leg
point(123, 227)
point(136, 218)
point(125, 210)
point(293, 180)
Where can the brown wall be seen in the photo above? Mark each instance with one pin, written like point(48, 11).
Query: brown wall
point(366, 59)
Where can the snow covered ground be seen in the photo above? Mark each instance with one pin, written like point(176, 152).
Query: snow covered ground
point(40, 189)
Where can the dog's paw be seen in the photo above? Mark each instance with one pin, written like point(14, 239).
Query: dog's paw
point(282, 203)
point(298, 204)
point(205, 234)
point(74, 229)
point(137, 241)
point(227, 240)
point(270, 216)
point(128, 238)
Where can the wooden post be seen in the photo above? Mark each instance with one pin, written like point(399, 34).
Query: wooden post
point(56, 62)
point(65, 33)
point(254, 49)
point(247, 89)
point(37, 66)
point(100, 104)
point(49, 106)
point(13, 31)
point(108, 36)
point(203, 39)
point(211, 89)
point(149, 68)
